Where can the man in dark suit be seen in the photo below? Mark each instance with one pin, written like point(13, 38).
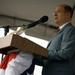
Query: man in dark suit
point(61, 48)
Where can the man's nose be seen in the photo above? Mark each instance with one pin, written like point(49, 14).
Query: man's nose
point(54, 13)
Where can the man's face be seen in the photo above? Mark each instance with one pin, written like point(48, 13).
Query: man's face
point(60, 15)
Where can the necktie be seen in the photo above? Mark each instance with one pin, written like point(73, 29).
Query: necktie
point(56, 31)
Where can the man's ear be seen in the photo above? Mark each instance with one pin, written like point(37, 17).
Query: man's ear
point(68, 15)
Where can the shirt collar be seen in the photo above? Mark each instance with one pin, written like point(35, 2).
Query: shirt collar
point(63, 25)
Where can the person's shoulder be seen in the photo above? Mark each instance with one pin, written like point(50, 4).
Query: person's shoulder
point(69, 29)
point(70, 26)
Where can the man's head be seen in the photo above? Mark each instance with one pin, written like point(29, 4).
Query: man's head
point(63, 13)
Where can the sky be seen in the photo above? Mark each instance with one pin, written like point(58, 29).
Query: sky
point(41, 42)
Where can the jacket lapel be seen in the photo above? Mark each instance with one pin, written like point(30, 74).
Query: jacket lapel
point(69, 24)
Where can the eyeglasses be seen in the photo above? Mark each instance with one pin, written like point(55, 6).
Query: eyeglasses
point(59, 11)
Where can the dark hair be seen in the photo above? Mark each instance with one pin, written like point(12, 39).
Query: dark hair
point(69, 9)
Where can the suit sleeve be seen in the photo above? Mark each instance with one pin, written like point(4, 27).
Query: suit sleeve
point(67, 47)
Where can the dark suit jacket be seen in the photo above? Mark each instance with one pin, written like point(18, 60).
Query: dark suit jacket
point(61, 57)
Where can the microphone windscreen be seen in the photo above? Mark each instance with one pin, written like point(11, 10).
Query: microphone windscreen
point(44, 19)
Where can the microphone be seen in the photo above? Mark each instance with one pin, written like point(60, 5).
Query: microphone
point(42, 20)
point(20, 30)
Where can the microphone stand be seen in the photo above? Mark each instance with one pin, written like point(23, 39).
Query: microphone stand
point(6, 30)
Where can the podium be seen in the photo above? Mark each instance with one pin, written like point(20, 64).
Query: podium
point(13, 42)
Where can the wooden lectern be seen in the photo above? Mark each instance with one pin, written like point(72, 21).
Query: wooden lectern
point(13, 42)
